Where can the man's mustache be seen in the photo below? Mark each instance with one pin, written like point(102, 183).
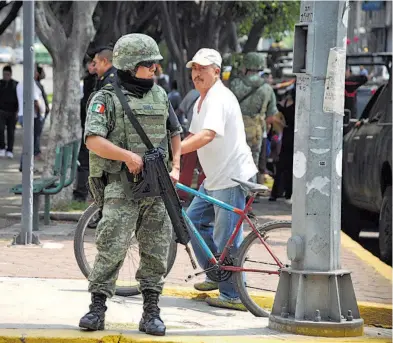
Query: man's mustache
point(198, 79)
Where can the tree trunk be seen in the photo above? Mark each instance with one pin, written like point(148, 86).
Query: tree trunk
point(67, 54)
point(10, 16)
point(254, 36)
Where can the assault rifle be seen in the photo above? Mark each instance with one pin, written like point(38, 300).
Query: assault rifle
point(156, 180)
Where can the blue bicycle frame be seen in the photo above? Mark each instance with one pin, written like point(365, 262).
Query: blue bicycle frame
point(242, 213)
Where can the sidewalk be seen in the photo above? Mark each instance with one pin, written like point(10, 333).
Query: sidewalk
point(41, 308)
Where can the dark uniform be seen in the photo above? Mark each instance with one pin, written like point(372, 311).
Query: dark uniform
point(81, 191)
point(90, 84)
point(108, 78)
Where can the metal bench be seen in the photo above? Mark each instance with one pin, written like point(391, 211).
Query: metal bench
point(64, 172)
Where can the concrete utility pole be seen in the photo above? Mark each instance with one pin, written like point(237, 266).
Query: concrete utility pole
point(26, 235)
point(315, 296)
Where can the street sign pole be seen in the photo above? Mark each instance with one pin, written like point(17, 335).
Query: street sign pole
point(315, 296)
point(26, 235)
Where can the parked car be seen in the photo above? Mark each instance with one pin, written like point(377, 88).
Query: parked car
point(6, 55)
point(367, 170)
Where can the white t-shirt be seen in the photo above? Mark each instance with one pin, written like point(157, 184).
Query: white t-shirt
point(227, 155)
point(37, 96)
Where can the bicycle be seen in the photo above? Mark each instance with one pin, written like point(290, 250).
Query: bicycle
point(221, 266)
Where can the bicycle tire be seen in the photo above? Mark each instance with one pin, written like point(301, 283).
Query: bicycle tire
point(241, 256)
point(84, 265)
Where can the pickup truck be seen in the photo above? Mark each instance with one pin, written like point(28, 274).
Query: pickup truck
point(367, 170)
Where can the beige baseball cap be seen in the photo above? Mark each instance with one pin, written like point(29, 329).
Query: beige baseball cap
point(206, 57)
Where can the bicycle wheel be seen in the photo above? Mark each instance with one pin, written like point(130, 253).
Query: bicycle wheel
point(85, 251)
point(252, 254)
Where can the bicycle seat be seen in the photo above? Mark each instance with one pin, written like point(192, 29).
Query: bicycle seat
point(251, 186)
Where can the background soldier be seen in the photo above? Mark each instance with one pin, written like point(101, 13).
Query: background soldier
point(89, 84)
point(116, 148)
point(104, 68)
point(257, 101)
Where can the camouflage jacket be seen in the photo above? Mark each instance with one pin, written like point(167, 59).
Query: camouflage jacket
point(256, 97)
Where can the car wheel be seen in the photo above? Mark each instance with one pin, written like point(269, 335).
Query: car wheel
point(350, 218)
point(385, 227)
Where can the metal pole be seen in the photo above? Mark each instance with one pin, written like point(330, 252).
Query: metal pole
point(315, 296)
point(26, 235)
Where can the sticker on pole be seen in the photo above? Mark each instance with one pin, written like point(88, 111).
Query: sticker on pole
point(333, 98)
point(306, 12)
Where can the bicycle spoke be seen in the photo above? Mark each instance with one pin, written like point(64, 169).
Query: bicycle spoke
point(268, 252)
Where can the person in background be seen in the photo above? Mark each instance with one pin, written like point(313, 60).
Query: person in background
point(258, 105)
point(174, 96)
point(283, 177)
point(106, 72)
point(81, 191)
point(8, 112)
point(363, 71)
point(40, 75)
point(352, 83)
point(161, 79)
point(39, 113)
point(39, 78)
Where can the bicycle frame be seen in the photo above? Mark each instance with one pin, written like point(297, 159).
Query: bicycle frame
point(243, 216)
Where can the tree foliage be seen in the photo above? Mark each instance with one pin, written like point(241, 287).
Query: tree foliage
point(277, 16)
point(131, 16)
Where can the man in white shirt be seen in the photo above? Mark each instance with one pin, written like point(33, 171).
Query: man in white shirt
point(217, 134)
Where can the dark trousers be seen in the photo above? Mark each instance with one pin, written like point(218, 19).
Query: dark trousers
point(283, 177)
point(38, 126)
point(38, 123)
point(262, 157)
point(82, 177)
point(7, 119)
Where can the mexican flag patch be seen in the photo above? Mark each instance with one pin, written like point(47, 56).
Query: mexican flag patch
point(99, 108)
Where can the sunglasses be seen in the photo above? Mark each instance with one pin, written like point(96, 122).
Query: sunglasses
point(147, 64)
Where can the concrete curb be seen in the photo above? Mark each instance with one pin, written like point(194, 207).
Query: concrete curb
point(382, 268)
point(60, 216)
point(72, 335)
point(373, 314)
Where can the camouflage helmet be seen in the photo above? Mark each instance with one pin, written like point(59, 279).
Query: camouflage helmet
point(134, 48)
point(253, 61)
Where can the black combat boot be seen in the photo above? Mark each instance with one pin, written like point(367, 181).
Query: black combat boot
point(151, 323)
point(95, 319)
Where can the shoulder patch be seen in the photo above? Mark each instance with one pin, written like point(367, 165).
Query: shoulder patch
point(98, 107)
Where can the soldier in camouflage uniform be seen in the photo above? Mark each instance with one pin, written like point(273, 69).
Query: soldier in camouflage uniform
point(116, 148)
point(257, 102)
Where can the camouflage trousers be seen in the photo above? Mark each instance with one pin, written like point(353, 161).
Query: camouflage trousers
point(122, 221)
point(253, 127)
